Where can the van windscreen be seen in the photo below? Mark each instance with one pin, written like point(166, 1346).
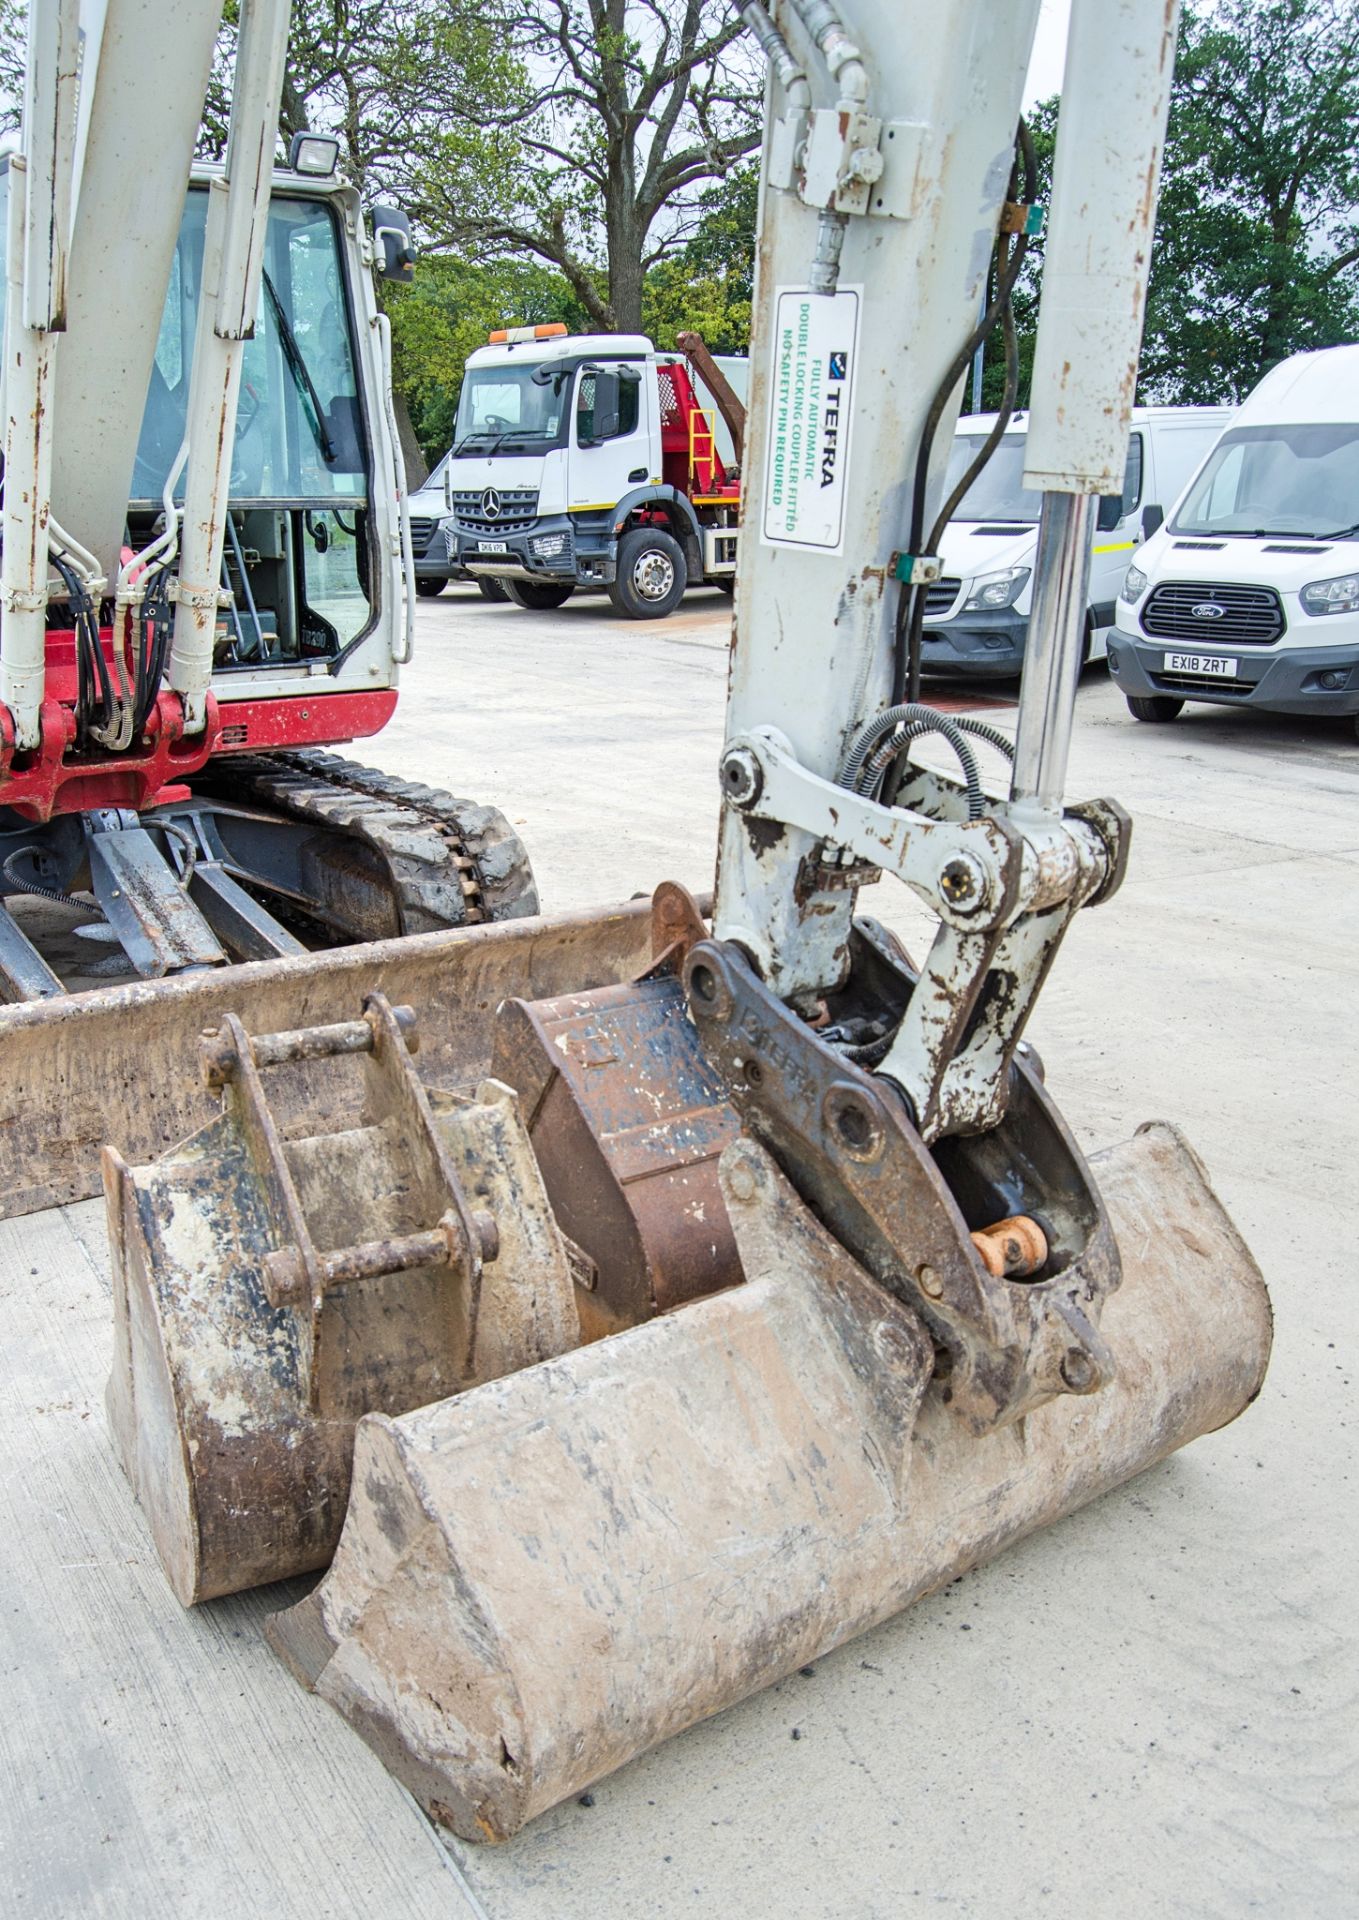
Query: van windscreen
point(1299, 479)
point(998, 492)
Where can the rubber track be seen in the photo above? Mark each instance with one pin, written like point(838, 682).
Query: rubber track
point(454, 863)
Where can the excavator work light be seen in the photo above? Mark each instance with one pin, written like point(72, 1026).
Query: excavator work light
point(315, 153)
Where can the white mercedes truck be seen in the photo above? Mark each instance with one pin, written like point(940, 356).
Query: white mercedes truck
point(594, 460)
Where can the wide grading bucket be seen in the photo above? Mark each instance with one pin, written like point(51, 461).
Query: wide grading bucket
point(119, 1063)
point(551, 1573)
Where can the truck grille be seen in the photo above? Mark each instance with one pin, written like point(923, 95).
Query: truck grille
point(514, 509)
point(940, 596)
point(422, 532)
point(1250, 616)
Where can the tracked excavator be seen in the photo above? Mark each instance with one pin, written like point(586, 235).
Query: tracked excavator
point(206, 570)
point(676, 1315)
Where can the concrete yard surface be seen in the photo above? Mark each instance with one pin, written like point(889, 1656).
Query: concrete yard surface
point(1148, 1710)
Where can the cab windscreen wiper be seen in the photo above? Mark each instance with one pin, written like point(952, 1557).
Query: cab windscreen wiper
point(302, 379)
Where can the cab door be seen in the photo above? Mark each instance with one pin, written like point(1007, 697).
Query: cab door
point(609, 439)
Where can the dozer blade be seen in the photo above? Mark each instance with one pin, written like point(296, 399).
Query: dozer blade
point(551, 1573)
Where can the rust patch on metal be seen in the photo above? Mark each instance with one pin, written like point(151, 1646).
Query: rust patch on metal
point(627, 1120)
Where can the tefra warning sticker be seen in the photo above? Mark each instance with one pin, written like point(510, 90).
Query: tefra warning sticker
point(816, 344)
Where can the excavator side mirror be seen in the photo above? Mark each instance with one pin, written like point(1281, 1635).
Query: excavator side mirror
point(394, 246)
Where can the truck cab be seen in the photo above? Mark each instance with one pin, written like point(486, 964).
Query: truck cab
point(977, 614)
point(589, 460)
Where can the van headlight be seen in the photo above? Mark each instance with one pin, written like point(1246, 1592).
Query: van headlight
point(1134, 586)
point(1340, 595)
point(992, 590)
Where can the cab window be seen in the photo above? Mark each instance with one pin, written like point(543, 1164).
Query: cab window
point(1132, 476)
point(628, 393)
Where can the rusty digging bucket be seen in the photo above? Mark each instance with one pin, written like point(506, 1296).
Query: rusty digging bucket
point(583, 1495)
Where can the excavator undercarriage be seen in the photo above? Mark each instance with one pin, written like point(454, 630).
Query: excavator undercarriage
point(264, 857)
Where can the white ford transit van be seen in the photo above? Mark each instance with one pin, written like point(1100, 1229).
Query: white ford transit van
point(977, 615)
point(1249, 594)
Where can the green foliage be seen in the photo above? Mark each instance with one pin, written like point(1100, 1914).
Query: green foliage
point(707, 285)
point(1257, 236)
point(621, 112)
point(1257, 248)
point(13, 27)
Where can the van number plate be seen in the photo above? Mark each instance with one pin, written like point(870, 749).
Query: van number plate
point(491, 546)
point(1212, 665)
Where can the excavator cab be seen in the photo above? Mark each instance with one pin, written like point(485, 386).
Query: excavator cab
point(174, 851)
point(623, 1336)
point(206, 580)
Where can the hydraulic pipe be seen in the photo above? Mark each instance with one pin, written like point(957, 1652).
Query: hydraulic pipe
point(28, 471)
point(37, 239)
point(233, 257)
point(779, 55)
point(843, 58)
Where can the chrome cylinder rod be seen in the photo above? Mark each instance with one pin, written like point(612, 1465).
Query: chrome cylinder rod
point(1052, 659)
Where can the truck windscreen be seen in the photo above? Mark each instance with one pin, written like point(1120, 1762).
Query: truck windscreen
point(998, 493)
point(1290, 479)
point(499, 405)
point(299, 433)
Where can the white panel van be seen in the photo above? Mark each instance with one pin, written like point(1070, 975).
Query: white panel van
point(977, 615)
point(1249, 594)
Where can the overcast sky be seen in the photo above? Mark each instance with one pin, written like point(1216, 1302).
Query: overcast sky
point(1049, 51)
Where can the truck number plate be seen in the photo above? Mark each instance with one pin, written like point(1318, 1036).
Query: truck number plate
point(1212, 665)
point(491, 546)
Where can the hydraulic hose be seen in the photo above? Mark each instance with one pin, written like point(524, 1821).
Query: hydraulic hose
point(21, 884)
point(911, 610)
point(921, 720)
point(779, 54)
point(895, 752)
